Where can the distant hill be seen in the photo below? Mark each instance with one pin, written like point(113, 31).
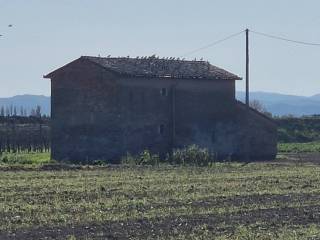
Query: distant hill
point(277, 104)
point(316, 97)
point(282, 104)
point(28, 102)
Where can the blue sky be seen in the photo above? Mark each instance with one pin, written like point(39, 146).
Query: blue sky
point(47, 34)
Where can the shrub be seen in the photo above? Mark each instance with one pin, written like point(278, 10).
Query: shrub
point(192, 155)
point(147, 158)
point(4, 159)
point(99, 162)
point(144, 158)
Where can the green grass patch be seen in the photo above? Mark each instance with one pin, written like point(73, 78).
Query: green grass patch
point(25, 158)
point(299, 147)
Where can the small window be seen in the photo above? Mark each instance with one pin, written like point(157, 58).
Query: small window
point(164, 92)
point(161, 129)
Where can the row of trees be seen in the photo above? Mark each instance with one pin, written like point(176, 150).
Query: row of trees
point(302, 129)
point(21, 134)
point(9, 111)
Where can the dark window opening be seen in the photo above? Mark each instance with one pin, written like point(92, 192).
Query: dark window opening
point(161, 129)
point(163, 92)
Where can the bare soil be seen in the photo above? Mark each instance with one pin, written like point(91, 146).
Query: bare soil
point(168, 226)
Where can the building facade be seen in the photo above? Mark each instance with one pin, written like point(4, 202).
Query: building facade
point(104, 108)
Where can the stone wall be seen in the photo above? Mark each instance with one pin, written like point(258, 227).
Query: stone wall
point(99, 115)
point(84, 114)
point(215, 120)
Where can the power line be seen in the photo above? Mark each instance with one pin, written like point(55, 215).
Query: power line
point(212, 44)
point(255, 32)
point(286, 39)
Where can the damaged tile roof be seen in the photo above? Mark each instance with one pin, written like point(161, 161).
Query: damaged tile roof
point(162, 68)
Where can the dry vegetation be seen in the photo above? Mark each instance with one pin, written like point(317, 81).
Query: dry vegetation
point(275, 200)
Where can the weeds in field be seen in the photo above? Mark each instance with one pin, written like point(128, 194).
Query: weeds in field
point(144, 158)
point(192, 155)
point(147, 158)
point(189, 156)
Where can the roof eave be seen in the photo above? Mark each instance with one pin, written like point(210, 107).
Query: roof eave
point(48, 76)
point(51, 74)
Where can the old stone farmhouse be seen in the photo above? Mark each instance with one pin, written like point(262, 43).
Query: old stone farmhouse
point(104, 108)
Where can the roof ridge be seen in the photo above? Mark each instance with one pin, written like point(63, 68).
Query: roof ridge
point(161, 68)
point(148, 58)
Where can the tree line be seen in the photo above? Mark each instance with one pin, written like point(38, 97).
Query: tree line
point(12, 110)
point(303, 129)
point(24, 133)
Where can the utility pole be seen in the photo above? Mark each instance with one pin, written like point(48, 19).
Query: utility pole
point(247, 67)
point(247, 118)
